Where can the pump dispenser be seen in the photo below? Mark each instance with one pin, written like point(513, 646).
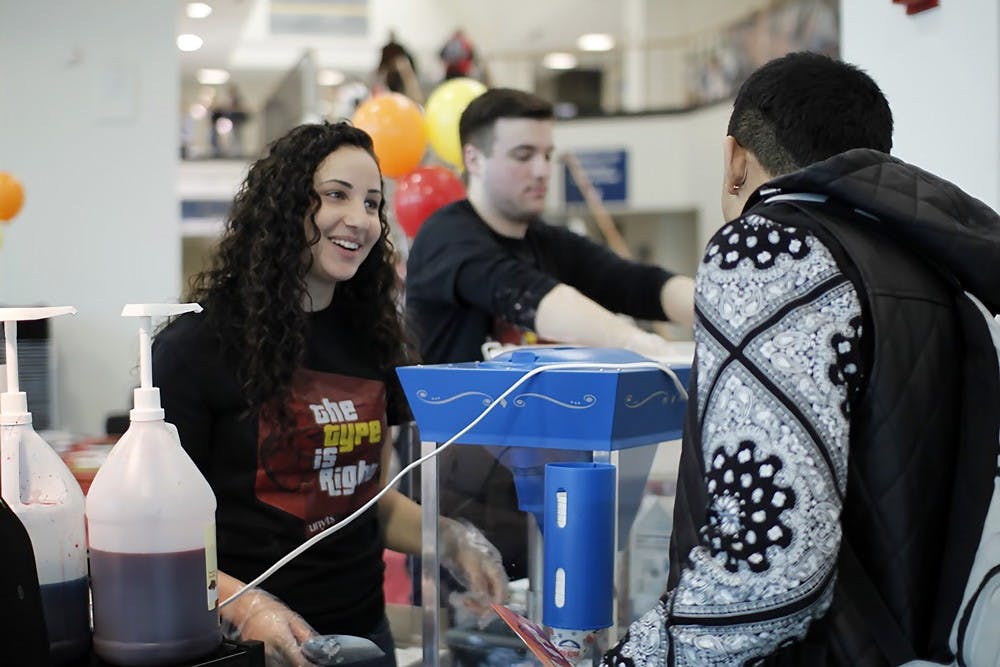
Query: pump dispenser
point(151, 523)
point(45, 496)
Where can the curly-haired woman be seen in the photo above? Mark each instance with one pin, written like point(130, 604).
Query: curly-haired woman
point(283, 392)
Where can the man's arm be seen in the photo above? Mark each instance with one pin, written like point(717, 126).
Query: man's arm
point(567, 316)
point(619, 284)
point(461, 263)
point(777, 362)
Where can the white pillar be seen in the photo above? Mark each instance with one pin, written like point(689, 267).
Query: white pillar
point(634, 55)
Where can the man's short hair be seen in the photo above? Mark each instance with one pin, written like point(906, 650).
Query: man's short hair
point(479, 118)
point(805, 107)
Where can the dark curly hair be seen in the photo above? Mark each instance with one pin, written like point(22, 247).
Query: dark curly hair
point(254, 289)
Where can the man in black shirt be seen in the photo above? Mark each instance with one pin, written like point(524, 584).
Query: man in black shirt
point(489, 268)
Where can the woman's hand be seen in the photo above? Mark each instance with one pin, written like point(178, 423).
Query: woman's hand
point(475, 563)
point(261, 616)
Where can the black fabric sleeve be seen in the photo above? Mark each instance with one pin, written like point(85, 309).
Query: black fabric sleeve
point(463, 263)
point(503, 285)
point(182, 384)
point(620, 285)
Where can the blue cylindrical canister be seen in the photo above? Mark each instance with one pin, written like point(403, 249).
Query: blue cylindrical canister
point(579, 542)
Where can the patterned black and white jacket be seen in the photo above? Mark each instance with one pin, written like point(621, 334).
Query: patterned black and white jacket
point(824, 409)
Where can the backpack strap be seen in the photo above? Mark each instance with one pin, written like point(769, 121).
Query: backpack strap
point(891, 640)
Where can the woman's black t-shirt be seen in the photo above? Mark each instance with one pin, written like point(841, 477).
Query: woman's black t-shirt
point(275, 492)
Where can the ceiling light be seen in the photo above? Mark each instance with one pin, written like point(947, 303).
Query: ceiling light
point(595, 41)
point(557, 60)
point(189, 42)
point(198, 10)
point(212, 77)
point(330, 77)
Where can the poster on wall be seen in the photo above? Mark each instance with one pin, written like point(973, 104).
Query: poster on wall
point(607, 172)
point(716, 71)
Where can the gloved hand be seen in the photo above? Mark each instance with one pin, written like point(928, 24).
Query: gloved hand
point(645, 343)
point(259, 615)
point(476, 564)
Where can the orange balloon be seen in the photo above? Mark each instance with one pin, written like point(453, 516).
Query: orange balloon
point(396, 126)
point(11, 196)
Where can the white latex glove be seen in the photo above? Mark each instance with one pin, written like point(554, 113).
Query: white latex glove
point(259, 615)
point(567, 316)
point(646, 343)
point(476, 564)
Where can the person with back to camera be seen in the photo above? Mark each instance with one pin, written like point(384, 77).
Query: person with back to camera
point(841, 439)
point(284, 389)
point(489, 268)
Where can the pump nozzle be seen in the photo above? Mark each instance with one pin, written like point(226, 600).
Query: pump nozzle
point(147, 397)
point(13, 402)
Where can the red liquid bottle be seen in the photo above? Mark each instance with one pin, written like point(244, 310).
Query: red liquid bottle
point(151, 530)
point(45, 496)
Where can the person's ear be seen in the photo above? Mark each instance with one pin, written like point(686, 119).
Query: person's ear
point(472, 158)
point(735, 159)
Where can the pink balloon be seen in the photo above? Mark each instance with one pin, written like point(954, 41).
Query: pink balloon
point(423, 191)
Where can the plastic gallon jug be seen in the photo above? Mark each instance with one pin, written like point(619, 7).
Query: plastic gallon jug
point(45, 496)
point(151, 521)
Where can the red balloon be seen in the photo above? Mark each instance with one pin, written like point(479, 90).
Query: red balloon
point(423, 191)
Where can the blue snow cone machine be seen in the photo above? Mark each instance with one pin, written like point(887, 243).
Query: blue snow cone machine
point(578, 428)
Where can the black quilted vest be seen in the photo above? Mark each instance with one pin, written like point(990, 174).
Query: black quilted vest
point(920, 466)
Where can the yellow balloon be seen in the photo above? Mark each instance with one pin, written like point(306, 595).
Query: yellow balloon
point(441, 115)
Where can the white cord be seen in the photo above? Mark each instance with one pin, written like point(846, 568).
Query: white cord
point(497, 401)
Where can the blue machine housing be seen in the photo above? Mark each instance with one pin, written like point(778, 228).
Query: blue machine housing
point(599, 409)
point(581, 548)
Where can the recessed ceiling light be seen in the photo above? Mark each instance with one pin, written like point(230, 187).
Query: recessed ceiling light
point(189, 42)
point(595, 41)
point(212, 77)
point(198, 10)
point(330, 77)
point(558, 60)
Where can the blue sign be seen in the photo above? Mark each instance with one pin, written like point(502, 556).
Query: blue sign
point(607, 171)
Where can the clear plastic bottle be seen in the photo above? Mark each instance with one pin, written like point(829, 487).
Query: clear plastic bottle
point(45, 496)
point(151, 522)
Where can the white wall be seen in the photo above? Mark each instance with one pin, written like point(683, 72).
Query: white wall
point(940, 70)
point(88, 124)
